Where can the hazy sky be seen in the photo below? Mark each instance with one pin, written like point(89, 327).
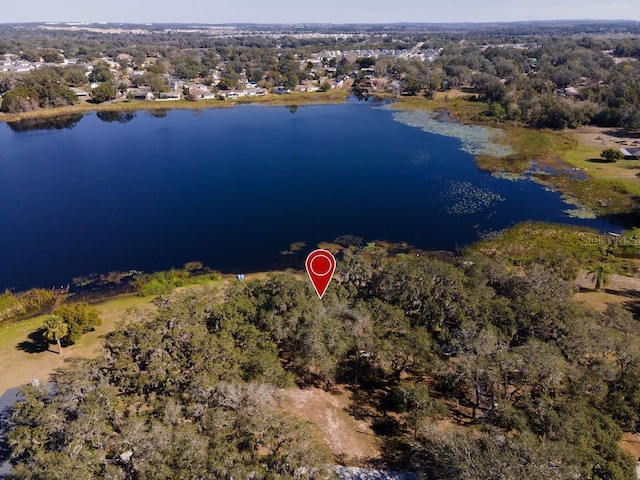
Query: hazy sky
point(333, 11)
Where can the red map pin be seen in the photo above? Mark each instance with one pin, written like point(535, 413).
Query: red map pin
point(320, 267)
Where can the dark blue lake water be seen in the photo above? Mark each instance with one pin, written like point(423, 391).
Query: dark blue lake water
point(234, 187)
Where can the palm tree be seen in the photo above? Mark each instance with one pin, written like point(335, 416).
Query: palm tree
point(601, 273)
point(55, 330)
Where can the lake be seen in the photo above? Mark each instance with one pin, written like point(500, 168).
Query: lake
point(233, 187)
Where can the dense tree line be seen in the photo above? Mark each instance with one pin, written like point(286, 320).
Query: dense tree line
point(521, 72)
point(43, 88)
point(191, 391)
point(552, 82)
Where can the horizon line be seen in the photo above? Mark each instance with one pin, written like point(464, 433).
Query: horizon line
point(292, 23)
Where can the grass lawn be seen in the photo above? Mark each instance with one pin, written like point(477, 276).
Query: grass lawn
point(587, 159)
point(19, 366)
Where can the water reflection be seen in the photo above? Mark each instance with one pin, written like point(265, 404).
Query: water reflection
point(50, 123)
point(120, 117)
point(158, 113)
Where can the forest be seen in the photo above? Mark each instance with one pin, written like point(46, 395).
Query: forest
point(543, 387)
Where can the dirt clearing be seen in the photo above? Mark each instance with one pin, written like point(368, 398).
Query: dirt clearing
point(350, 439)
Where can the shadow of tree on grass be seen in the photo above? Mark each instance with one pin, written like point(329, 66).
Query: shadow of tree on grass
point(600, 160)
point(37, 343)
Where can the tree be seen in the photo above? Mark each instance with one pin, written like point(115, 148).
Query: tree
point(208, 397)
point(227, 83)
point(490, 87)
point(52, 57)
point(631, 121)
point(101, 73)
point(20, 99)
point(45, 87)
point(421, 408)
point(398, 346)
point(601, 273)
point(155, 81)
point(103, 93)
point(495, 110)
point(75, 76)
point(55, 330)
point(611, 155)
point(80, 319)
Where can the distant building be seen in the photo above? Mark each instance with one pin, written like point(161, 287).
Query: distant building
point(79, 92)
point(307, 87)
point(199, 94)
point(630, 153)
point(141, 93)
point(168, 96)
point(126, 57)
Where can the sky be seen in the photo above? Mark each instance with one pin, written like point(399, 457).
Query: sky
point(316, 11)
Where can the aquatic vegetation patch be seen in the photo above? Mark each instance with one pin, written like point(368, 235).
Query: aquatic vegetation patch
point(464, 198)
point(418, 157)
point(476, 140)
point(511, 177)
point(579, 210)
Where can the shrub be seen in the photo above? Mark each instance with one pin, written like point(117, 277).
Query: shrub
point(163, 282)
point(611, 155)
point(13, 306)
point(80, 317)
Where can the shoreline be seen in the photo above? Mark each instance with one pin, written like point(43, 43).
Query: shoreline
point(608, 190)
point(520, 244)
point(289, 99)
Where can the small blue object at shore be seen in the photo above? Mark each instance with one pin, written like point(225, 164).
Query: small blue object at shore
point(241, 276)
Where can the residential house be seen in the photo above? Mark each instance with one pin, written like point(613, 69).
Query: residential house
point(197, 86)
point(200, 94)
point(630, 153)
point(255, 91)
point(142, 93)
point(307, 87)
point(79, 92)
point(168, 96)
